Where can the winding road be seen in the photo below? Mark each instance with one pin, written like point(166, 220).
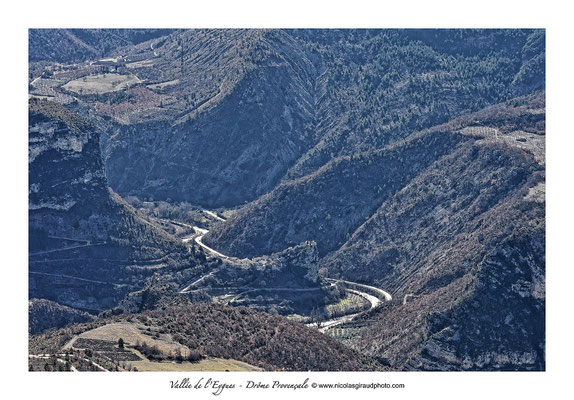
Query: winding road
point(374, 295)
point(374, 300)
point(188, 287)
point(199, 234)
point(214, 215)
point(387, 296)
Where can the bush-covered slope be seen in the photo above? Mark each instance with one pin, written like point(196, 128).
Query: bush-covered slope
point(268, 341)
point(414, 159)
point(45, 314)
point(328, 205)
point(462, 249)
point(378, 86)
point(237, 111)
point(455, 231)
point(232, 122)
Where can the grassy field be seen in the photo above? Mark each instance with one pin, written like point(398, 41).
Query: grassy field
point(210, 364)
point(101, 83)
point(131, 333)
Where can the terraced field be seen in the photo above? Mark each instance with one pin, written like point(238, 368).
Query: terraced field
point(101, 83)
point(104, 341)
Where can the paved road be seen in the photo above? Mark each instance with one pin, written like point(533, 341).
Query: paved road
point(354, 287)
point(188, 287)
point(387, 296)
point(209, 249)
point(214, 215)
point(326, 325)
point(197, 236)
point(374, 300)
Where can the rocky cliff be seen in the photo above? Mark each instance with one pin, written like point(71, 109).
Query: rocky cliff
point(88, 248)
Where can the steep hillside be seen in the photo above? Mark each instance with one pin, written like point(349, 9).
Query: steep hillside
point(450, 221)
point(235, 112)
point(283, 283)
point(501, 164)
point(491, 318)
point(267, 341)
point(227, 112)
point(328, 205)
point(92, 251)
point(462, 249)
point(392, 181)
point(88, 248)
point(378, 86)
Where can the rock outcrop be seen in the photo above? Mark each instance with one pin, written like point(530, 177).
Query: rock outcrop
point(87, 245)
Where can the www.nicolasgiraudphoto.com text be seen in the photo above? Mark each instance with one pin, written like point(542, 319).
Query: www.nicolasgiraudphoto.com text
point(217, 386)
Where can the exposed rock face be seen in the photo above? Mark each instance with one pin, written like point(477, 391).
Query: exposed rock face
point(467, 272)
point(286, 282)
point(293, 267)
point(455, 229)
point(84, 240)
point(505, 314)
point(66, 170)
point(329, 205)
point(490, 319)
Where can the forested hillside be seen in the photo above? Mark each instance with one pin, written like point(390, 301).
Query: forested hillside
point(384, 186)
point(242, 110)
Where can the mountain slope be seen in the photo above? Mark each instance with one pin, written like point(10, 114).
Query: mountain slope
point(376, 87)
point(454, 222)
point(412, 161)
point(45, 314)
point(236, 112)
point(75, 45)
point(268, 341)
point(335, 200)
point(462, 250)
point(88, 248)
point(233, 119)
